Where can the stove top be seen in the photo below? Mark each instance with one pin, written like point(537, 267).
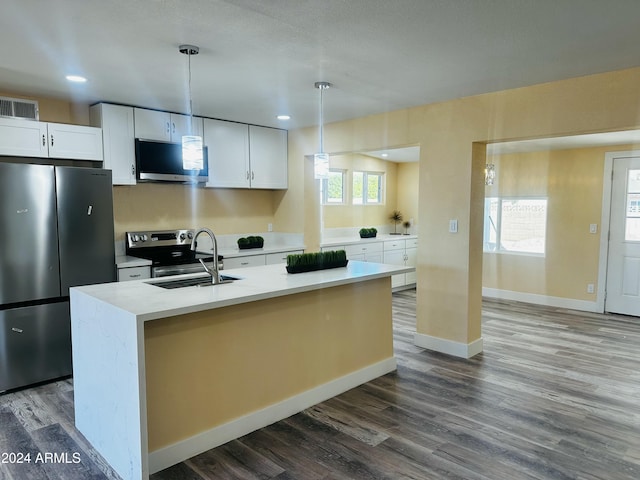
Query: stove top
point(162, 247)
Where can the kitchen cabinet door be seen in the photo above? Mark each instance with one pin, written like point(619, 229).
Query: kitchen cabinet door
point(118, 144)
point(411, 255)
point(152, 124)
point(76, 142)
point(242, 262)
point(228, 146)
point(396, 257)
point(23, 138)
point(183, 125)
point(268, 157)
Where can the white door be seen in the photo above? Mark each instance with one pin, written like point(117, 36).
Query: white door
point(623, 266)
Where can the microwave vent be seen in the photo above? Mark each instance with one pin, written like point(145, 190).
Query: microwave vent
point(19, 108)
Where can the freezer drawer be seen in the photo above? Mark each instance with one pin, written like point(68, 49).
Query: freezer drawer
point(35, 344)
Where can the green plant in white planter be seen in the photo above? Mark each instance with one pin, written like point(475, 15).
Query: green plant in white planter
point(396, 218)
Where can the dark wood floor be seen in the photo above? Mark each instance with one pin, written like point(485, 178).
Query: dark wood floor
point(555, 395)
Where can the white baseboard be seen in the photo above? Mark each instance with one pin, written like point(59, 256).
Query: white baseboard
point(442, 345)
point(178, 452)
point(548, 301)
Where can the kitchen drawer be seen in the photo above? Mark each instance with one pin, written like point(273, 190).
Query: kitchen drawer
point(366, 248)
point(394, 245)
point(273, 258)
point(242, 262)
point(328, 249)
point(133, 273)
point(412, 243)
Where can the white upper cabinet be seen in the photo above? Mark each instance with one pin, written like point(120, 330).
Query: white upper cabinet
point(268, 157)
point(74, 141)
point(164, 126)
point(245, 156)
point(30, 138)
point(23, 138)
point(116, 122)
point(228, 153)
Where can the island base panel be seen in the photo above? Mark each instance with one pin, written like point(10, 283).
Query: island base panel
point(208, 368)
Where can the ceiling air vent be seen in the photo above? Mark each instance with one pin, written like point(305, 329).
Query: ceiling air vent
point(19, 108)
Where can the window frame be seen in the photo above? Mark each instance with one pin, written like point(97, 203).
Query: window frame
point(325, 187)
point(497, 226)
point(365, 188)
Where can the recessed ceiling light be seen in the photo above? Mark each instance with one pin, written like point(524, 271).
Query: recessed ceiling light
point(76, 78)
point(385, 155)
point(283, 117)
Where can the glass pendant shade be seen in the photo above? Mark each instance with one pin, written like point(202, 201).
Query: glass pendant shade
point(192, 151)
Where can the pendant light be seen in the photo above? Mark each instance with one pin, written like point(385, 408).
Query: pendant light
point(321, 159)
point(192, 156)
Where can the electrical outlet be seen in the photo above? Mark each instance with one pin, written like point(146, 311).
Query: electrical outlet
point(269, 227)
point(591, 288)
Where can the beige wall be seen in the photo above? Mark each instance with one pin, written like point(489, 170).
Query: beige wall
point(407, 193)
point(349, 215)
point(572, 181)
point(149, 206)
point(451, 136)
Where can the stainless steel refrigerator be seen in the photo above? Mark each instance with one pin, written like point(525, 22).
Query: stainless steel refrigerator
point(56, 231)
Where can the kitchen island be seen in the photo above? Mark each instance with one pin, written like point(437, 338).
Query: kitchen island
point(162, 375)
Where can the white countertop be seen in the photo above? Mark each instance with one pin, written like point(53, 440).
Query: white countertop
point(338, 241)
point(149, 302)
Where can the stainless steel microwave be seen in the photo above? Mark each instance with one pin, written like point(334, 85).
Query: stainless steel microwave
point(162, 162)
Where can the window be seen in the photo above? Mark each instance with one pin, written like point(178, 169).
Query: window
point(333, 188)
point(367, 188)
point(516, 225)
point(632, 220)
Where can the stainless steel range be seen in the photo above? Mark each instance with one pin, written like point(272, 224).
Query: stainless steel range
point(169, 251)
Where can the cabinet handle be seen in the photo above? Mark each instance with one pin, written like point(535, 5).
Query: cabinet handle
point(133, 169)
point(174, 127)
point(244, 263)
point(252, 176)
point(44, 140)
point(247, 174)
point(52, 140)
point(168, 128)
point(134, 275)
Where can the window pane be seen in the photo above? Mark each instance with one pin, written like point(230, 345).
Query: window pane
point(373, 188)
point(358, 183)
point(523, 224)
point(335, 187)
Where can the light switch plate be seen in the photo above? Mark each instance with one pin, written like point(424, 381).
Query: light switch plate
point(593, 228)
point(453, 226)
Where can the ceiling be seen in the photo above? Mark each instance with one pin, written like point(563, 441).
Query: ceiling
point(261, 58)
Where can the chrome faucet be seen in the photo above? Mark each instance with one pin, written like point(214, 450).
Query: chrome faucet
point(215, 276)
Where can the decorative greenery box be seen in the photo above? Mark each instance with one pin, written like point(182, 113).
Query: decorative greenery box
point(308, 262)
point(250, 242)
point(368, 232)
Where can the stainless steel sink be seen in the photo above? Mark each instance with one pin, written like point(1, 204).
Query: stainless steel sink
point(191, 282)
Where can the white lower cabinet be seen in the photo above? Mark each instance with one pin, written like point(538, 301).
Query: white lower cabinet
point(133, 273)
point(243, 262)
point(401, 252)
point(365, 252)
point(274, 258)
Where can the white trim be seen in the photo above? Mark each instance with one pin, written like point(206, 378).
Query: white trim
point(178, 452)
point(442, 345)
point(546, 300)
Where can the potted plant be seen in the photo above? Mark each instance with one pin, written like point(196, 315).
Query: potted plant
point(368, 232)
point(406, 226)
point(396, 218)
point(308, 262)
point(252, 241)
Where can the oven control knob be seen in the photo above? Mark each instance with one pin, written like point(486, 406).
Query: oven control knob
point(182, 236)
point(136, 238)
point(190, 235)
point(144, 237)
